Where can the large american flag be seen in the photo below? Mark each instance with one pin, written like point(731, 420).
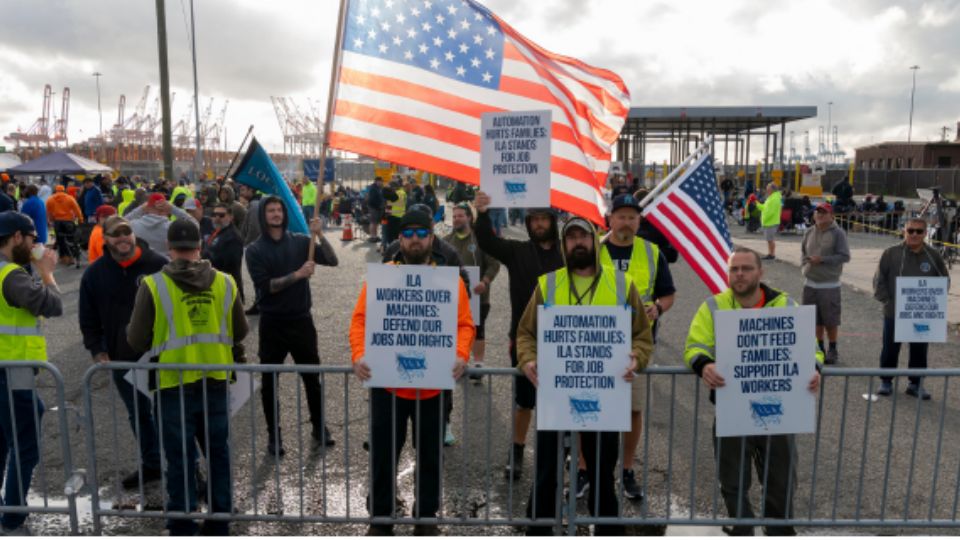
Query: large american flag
point(416, 76)
point(690, 214)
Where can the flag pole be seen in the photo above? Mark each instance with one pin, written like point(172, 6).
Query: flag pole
point(239, 149)
point(675, 173)
point(331, 102)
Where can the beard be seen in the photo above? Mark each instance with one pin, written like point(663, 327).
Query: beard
point(746, 289)
point(21, 255)
point(581, 258)
point(541, 235)
point(416, 255)
point(462, 228)
point(119, 254)
point(624, 235)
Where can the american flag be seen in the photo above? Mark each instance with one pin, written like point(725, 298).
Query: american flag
point(690, 214)
point(416, 76)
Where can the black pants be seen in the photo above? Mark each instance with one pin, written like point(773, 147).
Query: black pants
point(392, 231)
point(772, 455)
point(389, 422)
point(297, 337)
point(890, 353)
point(550, 458)
point(66, 232)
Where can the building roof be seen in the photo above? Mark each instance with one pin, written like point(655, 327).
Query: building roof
point(888, 144)
point(730, 120)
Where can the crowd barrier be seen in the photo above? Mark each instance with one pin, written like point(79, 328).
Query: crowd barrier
point(891, 462)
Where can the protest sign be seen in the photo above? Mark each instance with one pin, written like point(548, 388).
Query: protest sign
point(473, 272)
point(767, 357)
point(921, 310)
point(411, 327)
point(582, 354)
point(515, 158)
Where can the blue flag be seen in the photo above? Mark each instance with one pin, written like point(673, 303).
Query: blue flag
point(257, 170)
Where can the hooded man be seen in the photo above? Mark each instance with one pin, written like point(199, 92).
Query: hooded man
point(281, 273)
point(224, 247)
point(526, 261)
point(238, 211)
point(151, 220)
point(583, 281)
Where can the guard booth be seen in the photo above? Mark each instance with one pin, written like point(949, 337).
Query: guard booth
point(747, 141)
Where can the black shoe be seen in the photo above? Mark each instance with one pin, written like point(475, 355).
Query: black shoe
point(631, 490)
point(275, 448)
point(917, 392)
point(768, 257)
point(380, 530)
point(426, 529)
point(132, 480)
point(739, 530)
point(514, 470)
point(254, 310)
point(885, 389)
point(583, 484)
point(323, 438)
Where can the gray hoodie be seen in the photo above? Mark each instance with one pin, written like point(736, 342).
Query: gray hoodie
point(152, 228)
point(831, 245)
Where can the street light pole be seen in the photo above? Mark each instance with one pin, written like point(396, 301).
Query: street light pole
point(913, 92)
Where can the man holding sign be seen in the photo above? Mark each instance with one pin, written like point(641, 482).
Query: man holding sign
point(409, 315)
point(586, 351)
point(774, 455)
point(910, 259)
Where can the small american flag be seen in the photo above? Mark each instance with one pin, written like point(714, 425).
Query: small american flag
point(690, 214)
point(417, 74)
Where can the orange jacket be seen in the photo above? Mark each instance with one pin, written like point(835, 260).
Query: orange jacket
point(95, 250)
point(63, 207)
point(466, 331)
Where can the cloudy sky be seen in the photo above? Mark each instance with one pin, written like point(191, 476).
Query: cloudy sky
point(855, 53)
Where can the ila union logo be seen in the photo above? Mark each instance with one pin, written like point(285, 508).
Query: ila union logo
point(514, 189)
point(585, 408)
point(411, 365)
point(766, 412)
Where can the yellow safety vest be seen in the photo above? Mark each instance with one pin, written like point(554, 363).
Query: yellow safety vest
point(611, 290)
point(192, 328)
point(20, 336)
point(399, 206)
point(643, 266)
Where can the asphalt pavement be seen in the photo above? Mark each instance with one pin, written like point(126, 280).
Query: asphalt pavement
point(869, 459)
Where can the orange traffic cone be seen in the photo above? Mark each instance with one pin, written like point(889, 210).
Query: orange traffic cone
point(347, 228)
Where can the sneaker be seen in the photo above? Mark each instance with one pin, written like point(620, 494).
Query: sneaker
point(885, 389)
point(768, 257)
point(22, 530)
point(448, 438)
point(917, 392)
point(132, 480)
point(631, 490)
point(380, 530)
point(426, 529)
point(831, 357)
point(583, 484)
point(275, 448)
point(323, 438)
point(514, 470)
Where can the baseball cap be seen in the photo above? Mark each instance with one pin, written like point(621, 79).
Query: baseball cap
point(191, 204)
point(827, 207)
point(183, 234)
point(577, 223)
point(12, 221)
point(105, 210)
point(113, 223)
point(155, 198)
point(625, 200)
point(416, 218)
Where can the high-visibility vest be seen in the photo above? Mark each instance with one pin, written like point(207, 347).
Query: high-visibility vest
point(20, 336)
point(611, 290)
point(308, 195)
point(191, 328)
point(643, 266)
point(399, 206)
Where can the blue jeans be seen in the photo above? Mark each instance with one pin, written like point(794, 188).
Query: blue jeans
point(142, 423)
point(308, 212)
point(19, 433)
point(890, 353)
point(498, 218)
point(179, 435)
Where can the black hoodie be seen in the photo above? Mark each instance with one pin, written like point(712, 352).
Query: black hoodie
point(269, 259)
point(525, 260)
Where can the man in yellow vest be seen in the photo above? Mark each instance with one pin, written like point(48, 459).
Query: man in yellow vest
point(308, 198)
point(22, 302)
point(188, 314)
point(775, 456)
point(582, 281)
point(647, 266)
point(396, 197)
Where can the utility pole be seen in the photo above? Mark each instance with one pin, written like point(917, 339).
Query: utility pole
point(198, 157)
point(913, 92)
point(167, 135)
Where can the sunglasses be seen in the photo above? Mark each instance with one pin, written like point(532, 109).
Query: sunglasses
point(916, 231)
point(219, 214)
point(421, 233)
point(120, 232)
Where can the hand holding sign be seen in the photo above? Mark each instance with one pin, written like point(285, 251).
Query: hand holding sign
point(530, 370)
point(711, 377)
point(481, 202)
point(361, 370)
point(459, 367)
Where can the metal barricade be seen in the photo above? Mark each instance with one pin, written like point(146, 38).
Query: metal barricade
point(32, 455)
point(866, 465)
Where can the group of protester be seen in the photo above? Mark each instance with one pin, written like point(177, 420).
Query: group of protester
point(170, 290)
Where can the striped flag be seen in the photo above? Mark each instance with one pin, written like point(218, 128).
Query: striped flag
point(690, 214)
point(416, 76)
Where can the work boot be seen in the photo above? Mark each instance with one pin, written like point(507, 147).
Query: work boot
point(322, 437)
point(917, 391)
point(514, 470)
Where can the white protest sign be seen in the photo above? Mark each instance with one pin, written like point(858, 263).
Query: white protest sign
point(473, 272)
point(767, 357)
point(515, 158)
point(411, 326)
point(921, 310)
point(582, 354)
